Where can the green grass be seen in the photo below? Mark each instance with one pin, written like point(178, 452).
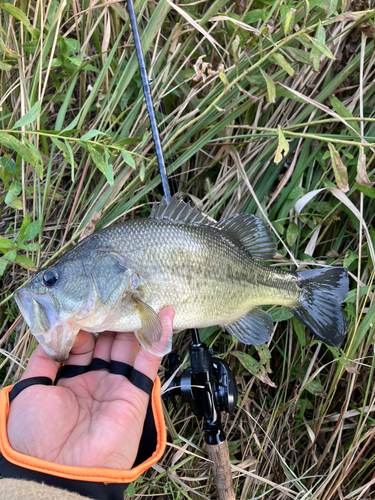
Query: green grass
point(281, 104)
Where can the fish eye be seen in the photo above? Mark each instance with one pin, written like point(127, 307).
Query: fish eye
point(50, 277)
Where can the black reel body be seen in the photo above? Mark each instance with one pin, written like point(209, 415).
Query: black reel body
point(208, 385)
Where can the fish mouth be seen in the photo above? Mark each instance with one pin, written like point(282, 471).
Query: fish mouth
point(41, 313)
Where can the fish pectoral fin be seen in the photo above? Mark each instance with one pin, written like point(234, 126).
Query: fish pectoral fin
point(150, 335)
point(255, 328)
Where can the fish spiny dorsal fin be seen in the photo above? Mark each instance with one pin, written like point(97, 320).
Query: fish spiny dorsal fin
point(252, 232)
point(179, 211)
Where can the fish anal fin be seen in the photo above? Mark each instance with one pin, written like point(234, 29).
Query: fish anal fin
point(179, 211)
point(255, 328)
point(252, 232)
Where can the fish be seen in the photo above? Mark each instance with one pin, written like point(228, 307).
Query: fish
point(211, 273)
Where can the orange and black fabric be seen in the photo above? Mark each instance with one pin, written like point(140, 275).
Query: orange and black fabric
point(97, 483)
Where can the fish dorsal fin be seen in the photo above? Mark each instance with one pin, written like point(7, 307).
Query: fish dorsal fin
point(252, 232)
point(179, 211)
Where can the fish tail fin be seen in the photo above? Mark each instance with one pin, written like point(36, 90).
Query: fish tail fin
point(322, 291)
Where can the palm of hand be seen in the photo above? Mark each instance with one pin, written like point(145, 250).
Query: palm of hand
point(95, 419)
point(91, 420)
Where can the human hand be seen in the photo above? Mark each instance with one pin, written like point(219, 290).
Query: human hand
point(91, 420)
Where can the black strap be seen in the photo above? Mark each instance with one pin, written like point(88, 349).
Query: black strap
point(69, 371)
point(118, 368)
point(98, 364)
point(27, 382)
point(141, 381)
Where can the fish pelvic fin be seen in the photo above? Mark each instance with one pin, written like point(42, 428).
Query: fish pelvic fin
point(322, 291)
point(255, 328)
point(252, 232)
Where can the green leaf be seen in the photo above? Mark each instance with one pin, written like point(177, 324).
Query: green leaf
point(33, 247)
point(15, 12)
point(282, 148)
point(9, 165)
point(25, 262)
point(67, 151)
point(3, 265)
point(11, 255)
point(341, 173)
point(13, 201)
point(72, 125)
point(32, 230)
point(280, 60)
point(6, 243)
point(352, 294)
point(11, 142)
point(299, 54)
point(349, 258)
point(128, 159)
point(264, 356)
point(144, 138)
point(15, 188)
point(91, 134)
point(322, 48)
point(26, 222)
point(292, 234)
point(330, 7)
point(142, 172)
point(290, 21)
point(281, 314)
point(367, 191)
point(76, 60)
point(30, 116)
point(102, 165)
point(52, 11)
point(37, 156)
point(342, 111)
point(254, 16)
point(34, 32)
point(125, 142)
point(300, 331)
point(253, 366)
point(271, 87)
point(367, 325)
point(315, 388)
point(72, 45)
point(5, 67)
point(130, 490)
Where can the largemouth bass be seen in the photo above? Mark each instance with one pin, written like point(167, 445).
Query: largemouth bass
point(210, 273)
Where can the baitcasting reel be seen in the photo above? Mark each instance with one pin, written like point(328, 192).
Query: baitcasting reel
point(208, 386)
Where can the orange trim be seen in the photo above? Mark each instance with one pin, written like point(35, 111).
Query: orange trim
point(95, 474)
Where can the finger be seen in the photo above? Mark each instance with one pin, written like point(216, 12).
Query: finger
point(148, 363)
point(103, 345)
point(41, 365)
point(125, 348)
point(82, 350)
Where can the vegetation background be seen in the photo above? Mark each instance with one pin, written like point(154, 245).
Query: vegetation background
point(265, 106)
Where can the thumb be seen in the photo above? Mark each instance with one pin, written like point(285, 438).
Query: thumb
point(41, 365)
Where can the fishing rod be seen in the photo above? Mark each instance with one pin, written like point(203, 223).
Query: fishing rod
point(208, 385)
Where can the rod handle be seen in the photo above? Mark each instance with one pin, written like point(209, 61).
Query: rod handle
point(219, 455)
